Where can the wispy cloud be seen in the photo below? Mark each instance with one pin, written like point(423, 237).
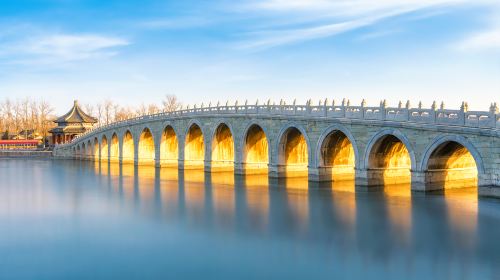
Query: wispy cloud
point(174, 23)
point(488, 40)
point(37, 48)
point(70, 47)
point(314, 19)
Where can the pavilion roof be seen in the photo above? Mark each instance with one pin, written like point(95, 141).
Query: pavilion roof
point(76, 115)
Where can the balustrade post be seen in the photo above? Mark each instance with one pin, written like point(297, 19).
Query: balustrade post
point(343, 108)
point(408, 107)
point(383, 106)
point(363, 105)
point(325, 107)
point(493, 114)
point(434, 111)
point(463, 110)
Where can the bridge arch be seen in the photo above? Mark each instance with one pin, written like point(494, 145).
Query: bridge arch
point(96, 149)
point(77, 152)
point(114, 148)
point(293, 150)
point(90, 150)
point(128, 147)
point(194, 146)
point(451, 161)
point(83, 153)
point(169, 146)
point(146, 147)
point(337, 154)
point(255, 148)
point(222, 147)
point(104, 148)
point(389, 158)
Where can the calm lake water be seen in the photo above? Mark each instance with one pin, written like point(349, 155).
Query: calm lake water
point(74, 220)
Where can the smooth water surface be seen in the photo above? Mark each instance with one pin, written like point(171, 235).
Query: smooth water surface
point(74, 220)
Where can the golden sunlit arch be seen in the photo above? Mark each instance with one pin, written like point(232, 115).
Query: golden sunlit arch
point(128, 146)
point(169, 147)
point(293, 151)
point(96, 149)
point(452, 162)
point(389, 158)
point(255, 150)
point(194, 147)
point(146, 148)
point(222, 148)
point(336, 154)
point(114, 149)
point(104, 148)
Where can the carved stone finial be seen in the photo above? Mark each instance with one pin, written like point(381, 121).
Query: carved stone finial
point(420, 105)
point(400, 104)
point(236, 103)
point(201, 105)
point(408, 104)
point(218, 103)
point(319, 102)
point(348, 102)
point(494, 108)
point(442, 105)
point(294, 101)
point(227, 103)
point(464, 107)
point(268, 102)
point(363, 103)
point(434, 105)
point(343, 102)
point(187, 107)
point(210, 104)
point(281, 101)
point(257, 102)
point(333, 102)
point(246, 102)
point(384, 103)
point(326, 102)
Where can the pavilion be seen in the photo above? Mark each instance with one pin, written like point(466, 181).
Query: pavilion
point(72, 124)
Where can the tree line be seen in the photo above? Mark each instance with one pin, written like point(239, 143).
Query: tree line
point(22, 116)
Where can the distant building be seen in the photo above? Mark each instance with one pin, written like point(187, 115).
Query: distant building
point(72, 124)
point(19, 144)
point(28, 134)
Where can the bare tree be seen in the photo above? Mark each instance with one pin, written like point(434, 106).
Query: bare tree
point(28, 115)
point(153, 109)
point(100, 114)
point(107, 108)
point(44, 111)
point(89, 109)
point(141, 110)
point(171, 103)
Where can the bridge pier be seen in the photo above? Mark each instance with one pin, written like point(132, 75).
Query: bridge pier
point(329, 174)
point(276, 170)
point(239, 168)
point(489, 185)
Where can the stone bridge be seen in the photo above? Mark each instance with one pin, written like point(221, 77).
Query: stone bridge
point(432, 148)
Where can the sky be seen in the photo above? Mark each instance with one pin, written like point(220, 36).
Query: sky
point(135, 52)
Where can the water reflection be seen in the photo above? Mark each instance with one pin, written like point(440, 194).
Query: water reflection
point(290, 226)
point(255, 202)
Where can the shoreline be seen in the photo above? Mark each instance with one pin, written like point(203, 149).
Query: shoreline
point(25, 154)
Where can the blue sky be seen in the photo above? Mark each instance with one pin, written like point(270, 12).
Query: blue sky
point(139, 51)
